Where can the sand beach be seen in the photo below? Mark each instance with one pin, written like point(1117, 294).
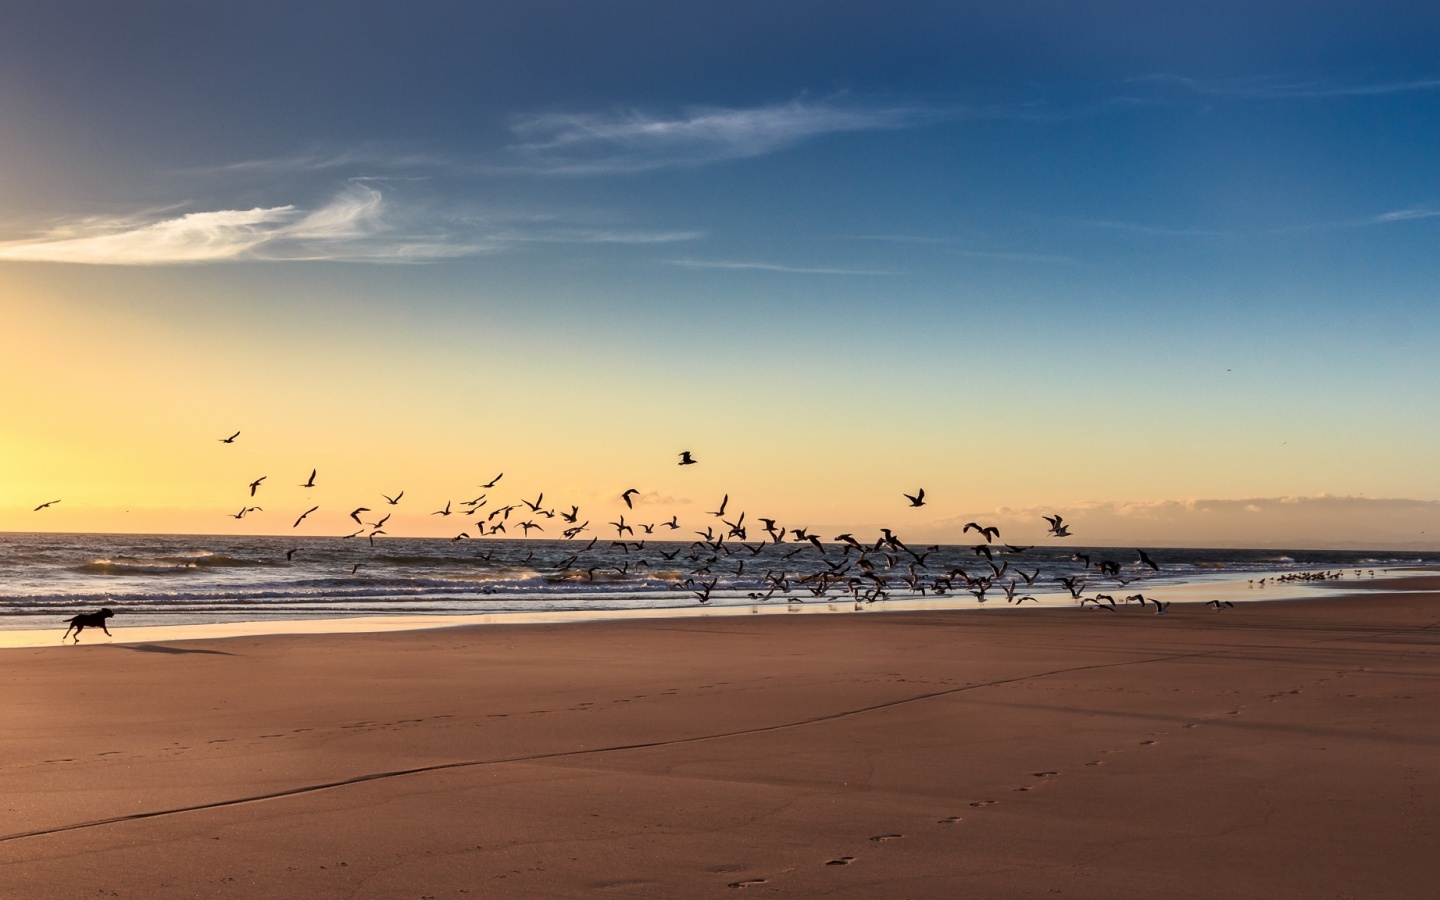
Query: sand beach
point(1278, 749)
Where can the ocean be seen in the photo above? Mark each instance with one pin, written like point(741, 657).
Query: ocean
point(190, 579)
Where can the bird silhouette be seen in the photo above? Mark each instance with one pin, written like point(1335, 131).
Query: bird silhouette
point(442, 512)
point(311, 482)
point(356, 515)
point(1057, 526)
point(686, 459)
point(46, 505)
point(721, 511)
point(989, 534)
point(303, 515)
point(230, 439)
point(916, 499)
point(254, 485)
point(626, 497)
point(1145, 559)
point(494, 481)
point(395, 500)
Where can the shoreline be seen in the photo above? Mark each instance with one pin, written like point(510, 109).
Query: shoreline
point(1180, 594)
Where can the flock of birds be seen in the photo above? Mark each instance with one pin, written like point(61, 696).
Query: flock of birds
point(865, 571)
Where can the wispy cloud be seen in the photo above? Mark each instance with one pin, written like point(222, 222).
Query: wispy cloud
point(1277, 89)
point(1411, 214)
point(960, 247)
point(591, 143)
point(773, 267)
point(1402, 215)
point(358, 225)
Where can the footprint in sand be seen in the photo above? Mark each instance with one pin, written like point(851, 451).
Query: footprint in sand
point(841, 861)
point(984, 803)
point(747, 882)
point(1146, 743)
point(951, 820)
point(882, 838)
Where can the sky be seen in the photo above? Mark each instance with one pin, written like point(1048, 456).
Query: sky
point(1169, 272)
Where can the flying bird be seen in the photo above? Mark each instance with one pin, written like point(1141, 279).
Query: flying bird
point(311, 482)
point(45, 505)
point(395, 500)
point(303, 515)
point(494, 481)
point(626, 497)
point(442, 512)
point(988, 533)
point(1145, 558)
point(1057, 526)
point(254, 485)
point(918, 499)
point(686, 459)
point(721, 511)
point(230, 439)
point(356, 515)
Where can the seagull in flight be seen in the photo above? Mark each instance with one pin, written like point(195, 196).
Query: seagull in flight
point(311, 482)
point(303, 515)
point(1145, 558)
point(988, 533)
point(44, 505)
point(686, 459)
point(254, 485)
point(1057, 526)
point(442, 512)
point(494, 481)
point(918, 499)
point(721, 511)
point(230, 439)
point(395, 500)
point(626, 497)
point(356, 515)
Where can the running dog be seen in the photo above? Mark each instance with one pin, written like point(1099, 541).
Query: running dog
point(88, 620)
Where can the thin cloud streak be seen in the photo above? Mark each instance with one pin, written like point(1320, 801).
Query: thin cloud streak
point(633, 141)
point(356, 226)
point(1263, 88)
point(773, 267)
point(954, 246)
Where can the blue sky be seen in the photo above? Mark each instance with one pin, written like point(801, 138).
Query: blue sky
point(1143, 234)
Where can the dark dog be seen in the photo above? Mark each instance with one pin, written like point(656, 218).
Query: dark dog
point(88, 620)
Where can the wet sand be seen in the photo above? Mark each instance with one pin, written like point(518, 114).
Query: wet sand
point(1283, 749)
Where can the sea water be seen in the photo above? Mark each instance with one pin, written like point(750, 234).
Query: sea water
point(189, 579)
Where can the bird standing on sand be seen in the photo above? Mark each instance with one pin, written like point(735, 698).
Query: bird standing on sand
point(686, 459)
point(917, 499)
